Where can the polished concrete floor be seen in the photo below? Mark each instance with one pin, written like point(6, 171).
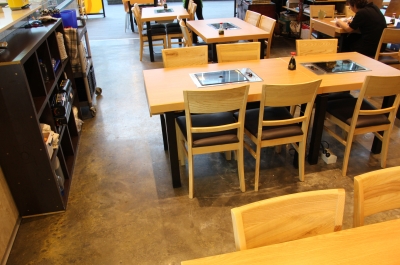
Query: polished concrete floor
point(122, 208)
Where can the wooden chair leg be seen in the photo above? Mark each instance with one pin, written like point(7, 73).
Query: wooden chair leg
point(191, 178)
point(302, 153)
point(347, 153)
point(228, 155)
point(385, 147)
point(240, 163)
point(257, 173)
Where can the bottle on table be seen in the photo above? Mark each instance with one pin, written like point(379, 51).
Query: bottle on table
point(292, 62)
point(393, 19)
point(221, 29)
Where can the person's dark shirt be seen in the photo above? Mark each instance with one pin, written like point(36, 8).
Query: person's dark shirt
point(371, 23)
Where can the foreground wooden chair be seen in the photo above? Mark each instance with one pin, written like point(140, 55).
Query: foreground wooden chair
point(213, 129)
point(375, 192)
point(316, 46)
point(158, 32)
point(240, 51)
point(267, 24)
point(314, 10)
point(358, 116)
point(287, 218)
point(273, 125)
point(389, 57)
point(185, 56)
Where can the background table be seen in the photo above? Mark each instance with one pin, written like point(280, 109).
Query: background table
point(210, 35)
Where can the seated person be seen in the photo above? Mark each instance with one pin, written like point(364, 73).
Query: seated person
point(367, 27)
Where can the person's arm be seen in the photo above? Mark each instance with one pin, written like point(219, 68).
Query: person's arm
point(344, 25)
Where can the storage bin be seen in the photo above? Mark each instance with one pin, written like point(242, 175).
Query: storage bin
point(69, 18)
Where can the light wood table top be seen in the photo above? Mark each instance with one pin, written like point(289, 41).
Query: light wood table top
point(344, 81)
point(9, 18)
point(164, 87)
point(150, 14)
point(209, 34)
point(370, 244)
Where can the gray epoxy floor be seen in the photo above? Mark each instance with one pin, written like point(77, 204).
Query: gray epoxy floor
point(122, 208)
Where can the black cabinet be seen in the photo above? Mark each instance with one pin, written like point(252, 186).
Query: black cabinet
point(25, 103)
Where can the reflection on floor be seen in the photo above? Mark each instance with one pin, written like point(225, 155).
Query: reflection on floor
point(122, 207)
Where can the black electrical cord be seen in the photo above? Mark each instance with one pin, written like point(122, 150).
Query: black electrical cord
point(325, 150)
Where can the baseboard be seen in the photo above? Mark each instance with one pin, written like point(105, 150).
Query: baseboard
point(11, 242)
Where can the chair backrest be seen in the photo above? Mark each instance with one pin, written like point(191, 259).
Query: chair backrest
point(316, 46)
point(348, 12)
point(288, 95)
point(267, 24)
point(328, 9)
point(378, 86)
point(393, 7)
point(287, 218)
point(240, 51)
point(192, 11)
point(389, 35)
point(252, 17)
point(138, 18)
point(375, 192)
point(187, 37)
point(185, 56)
point(214, 101)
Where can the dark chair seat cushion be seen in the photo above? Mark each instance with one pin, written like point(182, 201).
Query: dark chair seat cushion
point(339, 95)
point(173, 25)
point(155, 31)
point(343, 110)
point(171, 30)
point(271, 132)
point(388, 60)
point(208, 120)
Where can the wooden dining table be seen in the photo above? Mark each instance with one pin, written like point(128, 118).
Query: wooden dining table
point(367, 245)
point(243, 31)
point(167, 99)
point(328, 27)
point(156, 14)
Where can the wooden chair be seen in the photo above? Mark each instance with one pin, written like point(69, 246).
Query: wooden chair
point(214, 129)
point(393, 7)
point(240, 51)
point(316, 46)
point(158, 33)
point(252, 17)
point(267, 24)
point(187, 36)
point(314, 10)
point(348, 12)
point(390, 57)
point(192, 10)
point(273, 125)
point(358, 116)
point(186, 56)
point(375, 192)
point(174, 32)
point(287, 218)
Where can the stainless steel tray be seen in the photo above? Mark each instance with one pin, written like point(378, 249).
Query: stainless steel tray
point(224, 77)
point(334, 67)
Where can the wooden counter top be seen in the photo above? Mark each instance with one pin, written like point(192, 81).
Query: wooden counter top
point(10, 18)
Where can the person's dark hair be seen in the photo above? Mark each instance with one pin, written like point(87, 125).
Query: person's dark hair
point(358, 3)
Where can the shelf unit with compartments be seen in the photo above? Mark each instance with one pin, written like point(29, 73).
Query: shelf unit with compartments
point(26, 102)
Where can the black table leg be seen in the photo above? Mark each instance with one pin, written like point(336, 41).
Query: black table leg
point(150, 40)
point(262, 51)
point(340, 41)
point(164, 132)
point(318, 126)
point(214, 52)
point(173, 150)
point(130, 16)
point(377, 144)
